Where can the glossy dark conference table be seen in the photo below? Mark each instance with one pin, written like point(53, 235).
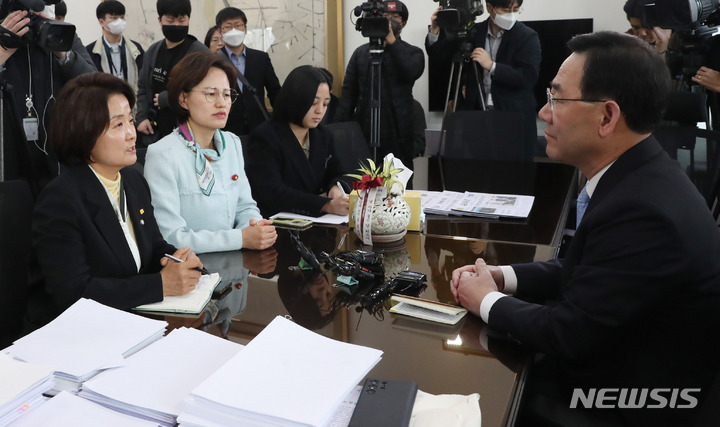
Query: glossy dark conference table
point(440, 359)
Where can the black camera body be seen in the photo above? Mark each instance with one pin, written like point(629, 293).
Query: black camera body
point(691, 22)
point(373, 24)
point(45, 33)
point(458, 16)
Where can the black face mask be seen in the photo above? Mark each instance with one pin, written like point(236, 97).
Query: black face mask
point(396, 27)
point(175, 33)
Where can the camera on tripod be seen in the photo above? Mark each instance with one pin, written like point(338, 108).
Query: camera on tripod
point(693, 22)
point(373, 24)
point(45, 33)
point(458, 16)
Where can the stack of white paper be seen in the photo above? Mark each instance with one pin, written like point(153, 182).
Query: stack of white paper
point(68, 410)
point(442, 203)
point(286, 376)
point(154, 382)
point(22, 387)
point(493, 205)
point(85, 339)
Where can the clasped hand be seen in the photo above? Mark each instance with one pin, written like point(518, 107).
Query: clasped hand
point(259, 234)
point(471, 283)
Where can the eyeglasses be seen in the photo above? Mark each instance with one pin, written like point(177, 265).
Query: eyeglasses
point(552, 100)
point(504, 10)
point(212, 94)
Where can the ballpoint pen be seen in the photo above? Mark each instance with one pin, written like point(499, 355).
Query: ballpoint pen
point(341, 188)
point(176, 259)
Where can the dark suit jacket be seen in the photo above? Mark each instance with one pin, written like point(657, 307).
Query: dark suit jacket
point(97, 60)
point(637, 298)
point(282, 178)
point(81, 247)
point(518, 64)
point(245, 114)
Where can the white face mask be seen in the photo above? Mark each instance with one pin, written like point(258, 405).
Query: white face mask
point(507, 20)
point(117, 26)
point(49, 11)
point(234, 37)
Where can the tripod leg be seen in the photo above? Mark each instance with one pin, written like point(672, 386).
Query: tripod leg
point(480, 91)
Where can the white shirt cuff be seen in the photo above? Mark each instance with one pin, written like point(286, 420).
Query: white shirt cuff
point(487, 304)
point(432, 38)
point(511, 280)
point(492, 69)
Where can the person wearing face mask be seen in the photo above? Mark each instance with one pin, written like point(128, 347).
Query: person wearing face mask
point(507, 54)
point(402, 65)
point(256, 73)
point(112, 53)
point(154, 117)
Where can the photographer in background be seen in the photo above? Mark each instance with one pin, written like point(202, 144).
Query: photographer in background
point(655, 36)
point(508, 53)
point(402, 65)
point(31, 75)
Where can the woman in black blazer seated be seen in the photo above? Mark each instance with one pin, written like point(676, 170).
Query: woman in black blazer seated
point(93, 226)
point(290, 162)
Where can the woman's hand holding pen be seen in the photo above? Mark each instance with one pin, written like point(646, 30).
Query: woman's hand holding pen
point(340, 203)
point(259, 234)
point(179, 278)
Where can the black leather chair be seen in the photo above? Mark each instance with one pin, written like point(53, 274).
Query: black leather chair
point(350, 145)
point(484, 135)
point(16, 205)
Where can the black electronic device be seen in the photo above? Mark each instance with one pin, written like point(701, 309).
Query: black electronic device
point(46, 33)
point(456, 17)
point(384, 403)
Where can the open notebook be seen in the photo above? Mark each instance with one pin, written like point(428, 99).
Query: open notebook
point(192, 303)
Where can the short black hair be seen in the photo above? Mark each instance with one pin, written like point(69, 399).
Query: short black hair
point(298, 94)
point(229, 13)
point(503, 3)
point(73, 136)
point(60, 9)
point(328, 76)
point(189, 72)
point(173, 8)
point(633, 8)
point(112, 7)
point(627, 70)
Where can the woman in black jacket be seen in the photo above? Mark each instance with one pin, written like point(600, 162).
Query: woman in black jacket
point(93, 226)
point(290, 161)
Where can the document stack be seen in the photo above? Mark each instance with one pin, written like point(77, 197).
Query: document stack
point(68, 410)
point(286, 376)
point(484, 205)
point(85, 339)
point(23, 385)
point(154, 382)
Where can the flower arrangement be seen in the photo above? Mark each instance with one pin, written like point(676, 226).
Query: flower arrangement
point(372, 175)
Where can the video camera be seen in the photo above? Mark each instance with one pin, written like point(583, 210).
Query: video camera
point(458, 16)
point(373, 24)
point(693, 22)
point(45, 33)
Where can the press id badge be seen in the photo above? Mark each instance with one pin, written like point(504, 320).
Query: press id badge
point(30, 124)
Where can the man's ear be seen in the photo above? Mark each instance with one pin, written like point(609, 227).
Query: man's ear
point(610, 118)
point(404, 24)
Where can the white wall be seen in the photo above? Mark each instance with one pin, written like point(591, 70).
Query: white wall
point(607, 15)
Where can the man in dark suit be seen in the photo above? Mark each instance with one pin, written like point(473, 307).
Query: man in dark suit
point(256, 73)
point(508, 56)
point(636, 302)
